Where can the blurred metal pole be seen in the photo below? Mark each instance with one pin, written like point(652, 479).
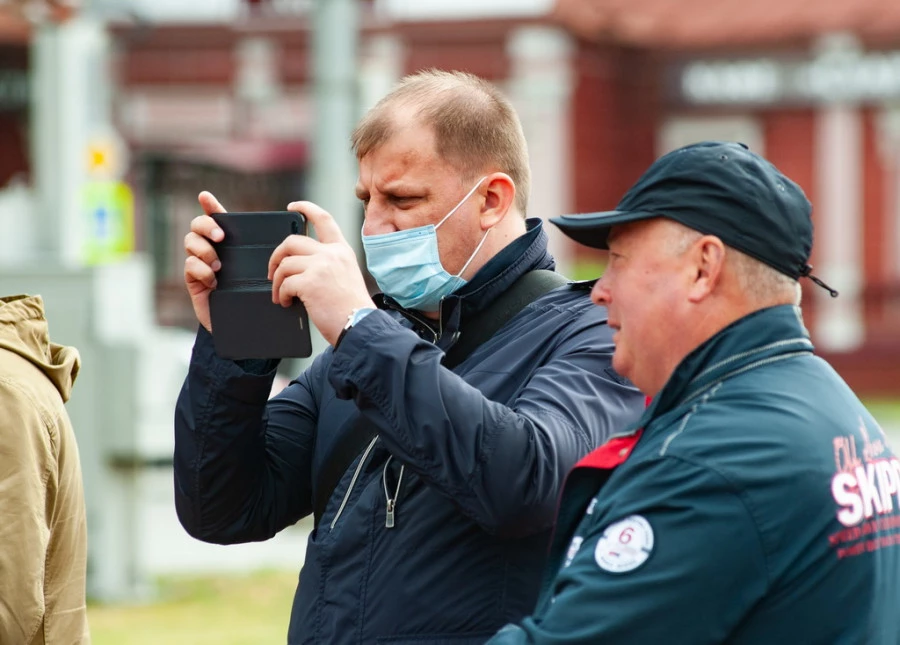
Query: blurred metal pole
point(59, 133)
point(540, 87)
point(334, 54)
point(71, 103)
point(335, 43)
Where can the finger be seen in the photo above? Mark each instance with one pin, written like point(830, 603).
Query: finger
point(327, 230)
point(198, 246)
point(206, 226)
point(292, 287)
point(293, 245)
point(293, 265)
point(195, 270)
point(209, 203)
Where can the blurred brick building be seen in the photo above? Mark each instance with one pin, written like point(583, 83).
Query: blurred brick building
point(815, 86)
point(14, 94)
point(603, 86)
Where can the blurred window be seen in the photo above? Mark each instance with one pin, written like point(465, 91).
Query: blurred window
point(168, 186)
point(681, 131)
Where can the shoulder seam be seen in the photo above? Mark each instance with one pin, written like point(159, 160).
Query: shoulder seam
point(573, 305)
point(687, 417)
point(781, 343)
point(765, 361)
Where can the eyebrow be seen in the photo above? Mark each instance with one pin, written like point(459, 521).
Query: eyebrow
point(392, 188)
point(399, 186)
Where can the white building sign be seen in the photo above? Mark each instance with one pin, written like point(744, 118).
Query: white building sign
point(843, 76)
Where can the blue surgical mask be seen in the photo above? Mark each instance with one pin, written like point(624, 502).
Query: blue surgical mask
point(407, 266)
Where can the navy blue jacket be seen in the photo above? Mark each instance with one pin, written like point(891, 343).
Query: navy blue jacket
point(472, 460)
point(760, 504)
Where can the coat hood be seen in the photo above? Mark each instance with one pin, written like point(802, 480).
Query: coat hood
point(24, 331)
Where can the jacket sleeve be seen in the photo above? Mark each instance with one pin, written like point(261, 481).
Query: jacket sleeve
point(706, 567)
point(242, 462)
point(27, 475)
point(502, 465)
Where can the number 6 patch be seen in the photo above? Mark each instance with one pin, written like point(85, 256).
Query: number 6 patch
point(625, 545)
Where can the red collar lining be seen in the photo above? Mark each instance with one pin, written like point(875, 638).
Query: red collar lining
point(611, 454)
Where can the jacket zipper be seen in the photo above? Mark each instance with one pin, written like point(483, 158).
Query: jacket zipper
point(359, 466)
point(391, 501)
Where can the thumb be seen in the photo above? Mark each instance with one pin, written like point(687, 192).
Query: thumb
point(209, 203)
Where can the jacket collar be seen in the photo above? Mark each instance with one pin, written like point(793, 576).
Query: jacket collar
point(762, 335)
point(611, 454)
point(525, 253)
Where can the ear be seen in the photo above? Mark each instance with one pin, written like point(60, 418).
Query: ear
point(499, 192)
point(708, 258)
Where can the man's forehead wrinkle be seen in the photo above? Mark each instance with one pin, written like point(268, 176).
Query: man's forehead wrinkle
point(395, 172)
point(407, 158)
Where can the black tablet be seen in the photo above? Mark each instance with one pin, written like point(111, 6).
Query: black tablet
point(245, 321)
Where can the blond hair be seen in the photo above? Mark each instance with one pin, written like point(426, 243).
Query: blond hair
point(476, 128)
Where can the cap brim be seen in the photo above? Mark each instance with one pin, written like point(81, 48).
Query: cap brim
point(592, 229)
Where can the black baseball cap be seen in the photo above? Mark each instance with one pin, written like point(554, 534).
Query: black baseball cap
point(716, 188)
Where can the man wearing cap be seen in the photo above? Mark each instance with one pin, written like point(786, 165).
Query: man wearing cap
point(756, 500)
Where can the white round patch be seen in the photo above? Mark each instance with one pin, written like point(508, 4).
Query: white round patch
point(625, 545)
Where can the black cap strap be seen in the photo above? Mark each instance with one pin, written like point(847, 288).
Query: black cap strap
point(806, 272)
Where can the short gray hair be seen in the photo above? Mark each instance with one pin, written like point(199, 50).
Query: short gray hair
point(760, 282)
point(764, 284)
point(681, 238)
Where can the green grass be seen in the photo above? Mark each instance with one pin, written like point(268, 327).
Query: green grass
point(587, 270)
point(251, 609)
point(885, 410)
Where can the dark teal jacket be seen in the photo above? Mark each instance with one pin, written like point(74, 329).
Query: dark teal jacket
point(759, 504)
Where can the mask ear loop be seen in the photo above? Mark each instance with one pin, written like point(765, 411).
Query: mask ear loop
point(474, 254)
point(461, 202)
point(483, 237)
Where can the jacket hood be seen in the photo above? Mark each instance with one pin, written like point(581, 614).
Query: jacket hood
point(24, 331)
